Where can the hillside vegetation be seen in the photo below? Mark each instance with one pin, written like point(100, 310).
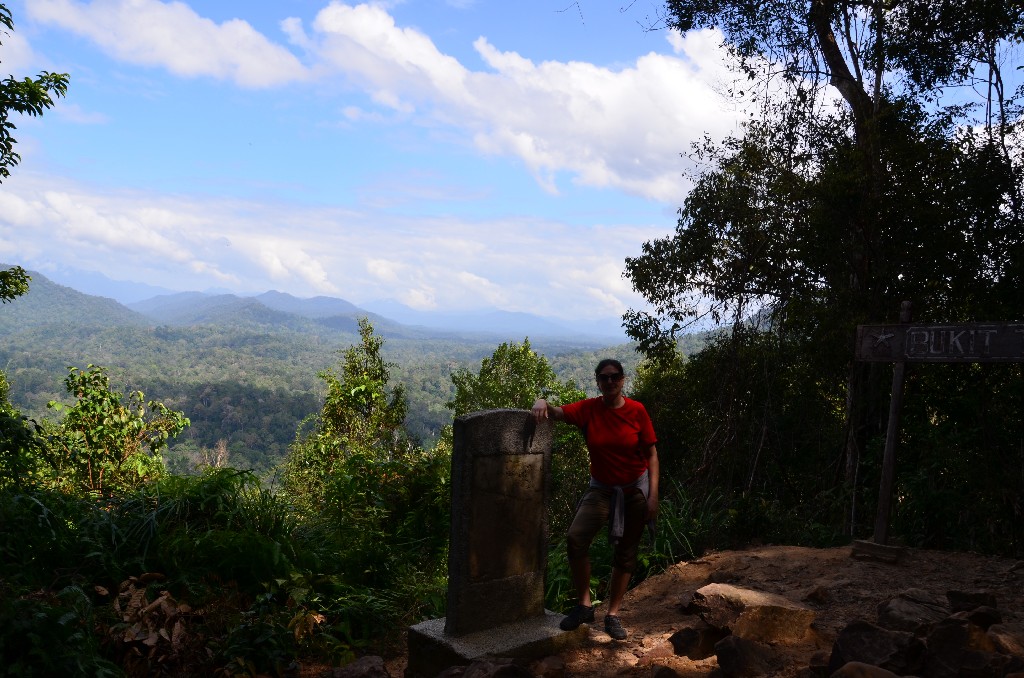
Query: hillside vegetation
point(244, 370)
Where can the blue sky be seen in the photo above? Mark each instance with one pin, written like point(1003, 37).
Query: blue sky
point(449, 155)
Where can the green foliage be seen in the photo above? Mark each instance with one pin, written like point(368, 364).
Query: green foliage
point(104, 444)
point(27, 97)
point(217, 540)
point(513, 377)
point(13, 281)
point(960, 463)
point(375, 505)
point(358, 408)
point(816, 219)
point(750, 425)
point(50, 635)
point(20, 442)
point(360, 418)
point(247, 387)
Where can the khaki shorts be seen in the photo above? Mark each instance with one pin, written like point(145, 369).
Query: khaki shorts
point(592, 514)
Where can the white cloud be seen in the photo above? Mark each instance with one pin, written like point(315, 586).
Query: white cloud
point(528, 265)
point(619, 128)
point(18, 57)
point(622, 129)
point(173, 36)
point(384, 270)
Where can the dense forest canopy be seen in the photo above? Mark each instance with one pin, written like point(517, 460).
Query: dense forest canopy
point(244, 383)
point(882, 164)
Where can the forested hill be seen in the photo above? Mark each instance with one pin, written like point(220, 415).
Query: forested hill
point(47, 303)
point(243, 369)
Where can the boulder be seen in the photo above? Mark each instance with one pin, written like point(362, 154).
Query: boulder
point(965, 601)
point(983, 616)
point(697, 642)
point(898, 651)
point(753, 615)
point(956, 647)
point(913, 610)
point(1008, 638)
point(742, 658)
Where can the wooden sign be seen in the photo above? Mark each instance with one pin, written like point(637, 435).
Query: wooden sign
point(952, 343)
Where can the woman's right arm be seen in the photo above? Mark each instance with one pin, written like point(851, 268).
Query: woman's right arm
point(542, 410)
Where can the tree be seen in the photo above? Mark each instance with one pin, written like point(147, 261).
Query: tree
point(890, 63)
point(361, 421)
point(13, 283)
point(513, 377)
point(817, 219)
point(362, 415)
point(354, 474)
point(106, 445)
point(27, 96)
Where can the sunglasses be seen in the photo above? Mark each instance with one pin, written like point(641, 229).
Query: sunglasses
point(607, 378)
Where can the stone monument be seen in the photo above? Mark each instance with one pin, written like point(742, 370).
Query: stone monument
point(498, 551)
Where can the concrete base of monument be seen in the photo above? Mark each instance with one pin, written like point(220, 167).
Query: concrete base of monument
point(431, 651)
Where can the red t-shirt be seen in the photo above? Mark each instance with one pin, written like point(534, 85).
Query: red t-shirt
point(617, 438)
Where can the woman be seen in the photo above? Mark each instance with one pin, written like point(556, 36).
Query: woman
point(623, 487)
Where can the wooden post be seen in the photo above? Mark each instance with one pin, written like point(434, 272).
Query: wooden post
point(889, 457)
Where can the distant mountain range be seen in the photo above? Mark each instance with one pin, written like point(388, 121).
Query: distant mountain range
point(97, 300)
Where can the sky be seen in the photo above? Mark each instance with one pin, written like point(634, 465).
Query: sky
point(451, 155)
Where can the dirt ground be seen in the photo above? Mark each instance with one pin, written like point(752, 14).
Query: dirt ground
point(838, 587)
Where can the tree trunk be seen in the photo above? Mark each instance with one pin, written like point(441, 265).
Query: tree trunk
point(860, 406)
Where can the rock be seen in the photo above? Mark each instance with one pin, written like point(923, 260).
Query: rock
point(818, 665)
point(1008, 638)
point(753, 615)
point(739, 657)
point(862, 670)
point(961, 601)
point(983, 616)
point(697, 642)
point(860, 641)
point(913, 610)
point(957, 647)
point(819, 595)
point(364, 667)
point(664, 672)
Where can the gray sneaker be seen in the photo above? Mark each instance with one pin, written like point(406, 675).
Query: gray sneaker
point(581, 614)
point(613, 627)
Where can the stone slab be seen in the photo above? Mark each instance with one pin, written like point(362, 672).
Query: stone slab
point(432, 651)
point(498, 544)
point(869, 550)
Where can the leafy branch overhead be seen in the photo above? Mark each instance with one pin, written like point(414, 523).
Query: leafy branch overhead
point(27, 96)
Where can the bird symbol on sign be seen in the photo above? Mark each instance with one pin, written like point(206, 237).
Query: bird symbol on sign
point(883, 338)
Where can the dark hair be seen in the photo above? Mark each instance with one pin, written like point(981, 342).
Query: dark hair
point(605, 363)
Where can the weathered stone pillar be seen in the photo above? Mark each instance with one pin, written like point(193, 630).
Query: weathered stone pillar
point(498, 552)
